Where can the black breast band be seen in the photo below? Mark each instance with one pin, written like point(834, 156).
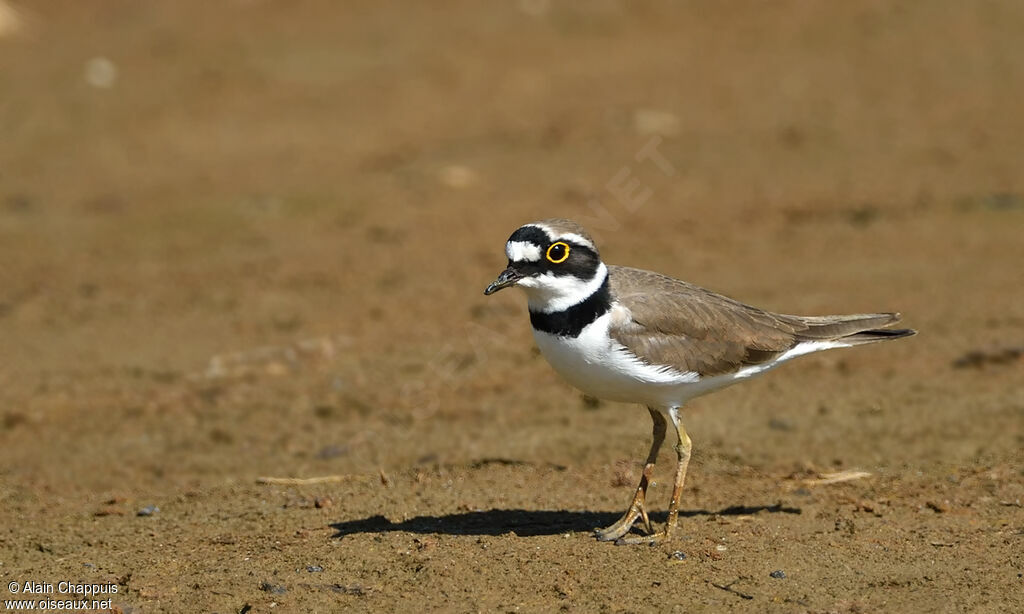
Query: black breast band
point(569, 322)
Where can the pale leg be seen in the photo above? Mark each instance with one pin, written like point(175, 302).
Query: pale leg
point(683, 447)
point(638, 507)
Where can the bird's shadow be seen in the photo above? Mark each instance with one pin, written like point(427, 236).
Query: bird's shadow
point(523, 522)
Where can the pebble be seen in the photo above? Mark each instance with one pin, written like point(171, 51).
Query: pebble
point(149, 510)
point(778, 574)
point(314, 568)
point(101, 73)
point(274, 589)
point(678, 555)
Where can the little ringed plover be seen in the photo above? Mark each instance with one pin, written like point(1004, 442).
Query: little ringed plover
point(625, 334)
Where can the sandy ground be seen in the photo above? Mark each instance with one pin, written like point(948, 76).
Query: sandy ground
point(249, 239)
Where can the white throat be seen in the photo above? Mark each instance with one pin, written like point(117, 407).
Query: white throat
point(549, 293)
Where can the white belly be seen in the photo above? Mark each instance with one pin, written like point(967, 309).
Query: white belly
point(601, 367)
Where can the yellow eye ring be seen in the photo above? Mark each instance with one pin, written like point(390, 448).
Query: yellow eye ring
point(564, 256)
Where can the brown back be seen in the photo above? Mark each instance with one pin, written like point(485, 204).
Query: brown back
point(690, 328)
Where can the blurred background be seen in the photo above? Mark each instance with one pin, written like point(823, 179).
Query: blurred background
point(250, 238)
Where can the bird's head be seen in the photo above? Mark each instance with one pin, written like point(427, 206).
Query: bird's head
point(554, 261)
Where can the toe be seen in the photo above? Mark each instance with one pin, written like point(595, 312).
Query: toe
point(610, 534)
point(635, 540)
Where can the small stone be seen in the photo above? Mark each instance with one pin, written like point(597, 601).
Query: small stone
point(149, 510)
point(314, 568)
point(101, 73)
point(323, 502)
point(273, 589)
point(678, 555)
point(778, 574)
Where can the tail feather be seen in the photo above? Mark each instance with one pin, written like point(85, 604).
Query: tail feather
point(878, 334)
point(855, 329)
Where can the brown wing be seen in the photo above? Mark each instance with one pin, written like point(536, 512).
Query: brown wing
point(692, 329)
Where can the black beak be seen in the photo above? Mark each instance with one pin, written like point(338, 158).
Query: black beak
point(507, 278)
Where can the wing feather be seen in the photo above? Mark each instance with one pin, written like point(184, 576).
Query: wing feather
point(691, 329)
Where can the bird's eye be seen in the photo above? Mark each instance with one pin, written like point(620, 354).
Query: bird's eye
point(558, 252)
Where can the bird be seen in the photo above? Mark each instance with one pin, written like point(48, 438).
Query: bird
point(630, 335)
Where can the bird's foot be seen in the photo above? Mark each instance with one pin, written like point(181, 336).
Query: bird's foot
point(650, 540)
point(615, 531)
point(621, 526)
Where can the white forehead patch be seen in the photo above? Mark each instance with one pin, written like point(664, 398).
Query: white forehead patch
point(572, 237)
point(518, 251)
point(579, 240)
